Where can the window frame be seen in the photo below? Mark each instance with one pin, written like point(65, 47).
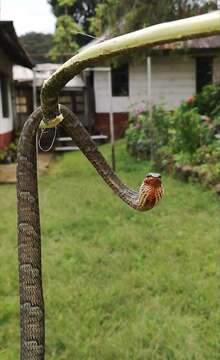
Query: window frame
point(5, 96)
point(21, 104)
point(121, 90)
point(199, 83)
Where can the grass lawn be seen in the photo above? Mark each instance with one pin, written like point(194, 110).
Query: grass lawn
point(119, 285)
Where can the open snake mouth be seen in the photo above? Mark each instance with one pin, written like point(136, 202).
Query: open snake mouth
point(153, 179)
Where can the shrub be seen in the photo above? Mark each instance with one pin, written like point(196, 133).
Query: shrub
point(207, 153)
point(162, 126)
point(9, 154)
point(186, 140)
point(138, 134)
point(144, 133)
point(209, 173)
point(164, 158)
point(207, 101)
point(191, 130)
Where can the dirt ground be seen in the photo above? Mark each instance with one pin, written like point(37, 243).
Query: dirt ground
point(8, 172)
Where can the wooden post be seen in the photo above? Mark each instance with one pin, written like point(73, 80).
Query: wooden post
point(34, 89)
point(111, 119)
point(150, 108)
point(111, 122)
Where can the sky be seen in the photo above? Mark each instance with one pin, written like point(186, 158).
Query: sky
point(28, 15)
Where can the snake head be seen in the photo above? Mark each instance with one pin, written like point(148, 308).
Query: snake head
point(151, 191)
point(153, 179)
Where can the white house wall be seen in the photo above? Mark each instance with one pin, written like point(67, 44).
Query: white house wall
point(173, 80)
point(102, 95)
point(6, 124)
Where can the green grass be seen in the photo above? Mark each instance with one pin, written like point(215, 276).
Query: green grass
point(119, 285)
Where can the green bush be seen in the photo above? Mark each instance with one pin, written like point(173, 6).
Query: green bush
point(186, 136)
point(9, 154)
point(183, 130)
point(138, 134)
point(144, 133)
point(191, 130)
point(207, 153)
point(207, 101)
point(209, 173)
point(162, 126)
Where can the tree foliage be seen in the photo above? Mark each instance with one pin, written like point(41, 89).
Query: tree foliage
point(129, 15)
point(97, 16)
point(72, 20)
point(37, 45)
point(80, 10)
point(64, 42)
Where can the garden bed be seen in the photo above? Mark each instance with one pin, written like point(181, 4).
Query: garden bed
point(184, 142)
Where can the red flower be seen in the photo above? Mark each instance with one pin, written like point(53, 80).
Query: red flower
point(190, 100)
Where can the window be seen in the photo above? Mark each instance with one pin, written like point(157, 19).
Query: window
point(4, 96)
point(74, 100)
point(66, 100)
point(120, 80)
point(21, 105)
point(79, 103)
point(204, 72)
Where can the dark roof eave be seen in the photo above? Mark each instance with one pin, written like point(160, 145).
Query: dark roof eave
point(191, 52)
point(12, 46)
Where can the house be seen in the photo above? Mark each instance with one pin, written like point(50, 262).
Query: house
point(28, 85)
point(178, 70)
point(11, 52)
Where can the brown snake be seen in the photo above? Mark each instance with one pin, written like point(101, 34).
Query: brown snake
point(29, 238)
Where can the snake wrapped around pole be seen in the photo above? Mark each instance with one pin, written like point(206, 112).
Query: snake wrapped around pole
point(32, 315)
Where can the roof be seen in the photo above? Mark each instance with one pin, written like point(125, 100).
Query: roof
point(11, 45)
point(205, 44)
point(43, 71)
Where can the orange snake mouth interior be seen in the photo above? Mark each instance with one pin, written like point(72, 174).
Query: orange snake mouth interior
point(155, 182)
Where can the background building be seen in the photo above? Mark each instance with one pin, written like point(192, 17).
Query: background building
point(11, 52)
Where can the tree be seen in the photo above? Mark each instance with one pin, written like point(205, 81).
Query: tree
point(64, 43)
point(72, 20)
point(37, 45)
point(80, 10)
point(129, 15)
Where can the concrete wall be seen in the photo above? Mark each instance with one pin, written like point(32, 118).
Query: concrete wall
point(173, 80)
